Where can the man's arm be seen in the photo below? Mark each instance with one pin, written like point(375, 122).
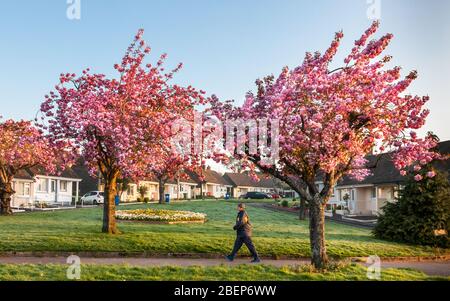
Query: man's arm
point(240, 221)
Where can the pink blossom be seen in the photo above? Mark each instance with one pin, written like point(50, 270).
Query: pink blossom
point(431, 174)
point(332, 118)
point(418, 178)
point(119, 124)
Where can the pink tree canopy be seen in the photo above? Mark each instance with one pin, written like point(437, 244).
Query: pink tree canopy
point(116, 123)
point(331, 119)
point(24, 146)
point(118, 120)
point(168, 165)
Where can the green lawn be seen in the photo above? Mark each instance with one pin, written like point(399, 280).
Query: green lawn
point(275, 233)
point(217, 273)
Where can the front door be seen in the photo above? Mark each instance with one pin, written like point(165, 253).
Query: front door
point(53, 190)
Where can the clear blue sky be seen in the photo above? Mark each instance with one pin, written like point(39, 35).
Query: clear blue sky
point(224, 44)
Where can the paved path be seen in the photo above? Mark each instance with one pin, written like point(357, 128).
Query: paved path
point(148, 261)
point(432, 268)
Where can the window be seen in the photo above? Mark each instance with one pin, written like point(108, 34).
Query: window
point(26, 188)
point(23, 189)
point(353, 195)
point(374, 192)
point(392, 190)
point(43, 185)
point(63, 185)
point(52, 186)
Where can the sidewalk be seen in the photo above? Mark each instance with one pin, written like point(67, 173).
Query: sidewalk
point(432, 268)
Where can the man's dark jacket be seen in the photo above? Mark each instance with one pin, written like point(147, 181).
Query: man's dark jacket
point(243, 226)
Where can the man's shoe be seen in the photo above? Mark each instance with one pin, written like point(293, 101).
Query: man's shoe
point(256, 260)
point(229, 258)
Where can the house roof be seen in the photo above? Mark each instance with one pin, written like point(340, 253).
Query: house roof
point(23, 175)
point(30, 173)
point(209, 176)
point(244, 179)
point(444, 165)
point(67, 173)
point(383, 170)
point(184, 178)
point(88, 183)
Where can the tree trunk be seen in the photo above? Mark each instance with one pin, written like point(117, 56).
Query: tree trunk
point(6, 192)
point(161, 192)
point(302, 209)
point(5, 204)
point(109, 208)
point(317, 233)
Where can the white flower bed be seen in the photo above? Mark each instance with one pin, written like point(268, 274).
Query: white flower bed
point(154, 215)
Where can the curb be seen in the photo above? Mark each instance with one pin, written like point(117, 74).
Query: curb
point(205, 256)
point(137, 255)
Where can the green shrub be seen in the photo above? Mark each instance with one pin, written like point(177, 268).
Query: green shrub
point(285, 203)
point(420, 215)
point(146, 200)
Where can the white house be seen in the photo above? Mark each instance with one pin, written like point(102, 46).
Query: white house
point(184, 188)
point(33, 188)
point(211, 184)
point(132, 193)
point(367, 197)
point(243, 183)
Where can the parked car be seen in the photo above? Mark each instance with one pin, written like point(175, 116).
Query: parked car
point(256, 195)
point(93, 197)
point(275, 196)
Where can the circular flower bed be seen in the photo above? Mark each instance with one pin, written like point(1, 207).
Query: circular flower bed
point(161, 216)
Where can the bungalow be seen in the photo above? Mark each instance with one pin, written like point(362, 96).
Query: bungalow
point(132, 193)
point(184, 188)
point(211, 184)
point(243, 183)
point(34, 187)
point(367, 197)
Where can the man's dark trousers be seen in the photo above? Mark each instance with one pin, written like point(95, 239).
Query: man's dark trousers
point(243, 238)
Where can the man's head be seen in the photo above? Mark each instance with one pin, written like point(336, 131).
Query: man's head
point(241, 207)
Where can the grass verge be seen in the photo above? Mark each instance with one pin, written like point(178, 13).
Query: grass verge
point(346, 272)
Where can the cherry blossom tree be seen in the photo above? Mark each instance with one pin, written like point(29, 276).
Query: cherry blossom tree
point(116, 123)
point(22, 146)
point(331, 118)
point(170, 167)
point(179, 153)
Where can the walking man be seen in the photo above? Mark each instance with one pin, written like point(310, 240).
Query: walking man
point(244, 232)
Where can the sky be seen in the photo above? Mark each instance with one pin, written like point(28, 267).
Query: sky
point(224, 44)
